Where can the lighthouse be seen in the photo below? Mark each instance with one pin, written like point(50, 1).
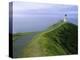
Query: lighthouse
point(65, 18)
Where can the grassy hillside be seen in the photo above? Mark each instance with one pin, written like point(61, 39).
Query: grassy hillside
point(21, 40)
point(58, 40)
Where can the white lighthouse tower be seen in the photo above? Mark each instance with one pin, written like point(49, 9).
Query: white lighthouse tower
point(65, 18)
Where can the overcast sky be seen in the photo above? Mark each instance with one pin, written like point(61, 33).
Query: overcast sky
point(38, 16)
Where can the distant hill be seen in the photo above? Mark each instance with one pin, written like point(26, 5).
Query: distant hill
point(58, 39)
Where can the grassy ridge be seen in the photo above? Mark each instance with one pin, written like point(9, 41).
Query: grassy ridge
point(59, 41)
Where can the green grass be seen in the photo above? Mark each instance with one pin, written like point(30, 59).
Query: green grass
point(60, 39)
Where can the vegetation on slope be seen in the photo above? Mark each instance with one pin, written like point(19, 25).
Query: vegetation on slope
point(59, 41)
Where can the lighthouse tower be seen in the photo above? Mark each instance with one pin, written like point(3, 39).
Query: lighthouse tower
point(65, 18)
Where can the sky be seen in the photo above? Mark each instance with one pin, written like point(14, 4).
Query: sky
point(31, 17)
